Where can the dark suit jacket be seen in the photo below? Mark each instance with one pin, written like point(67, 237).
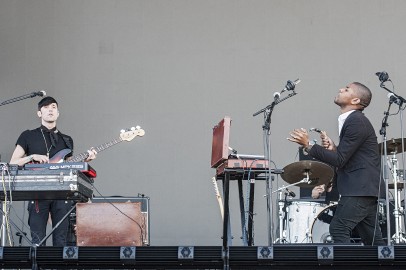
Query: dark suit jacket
point(357, 158)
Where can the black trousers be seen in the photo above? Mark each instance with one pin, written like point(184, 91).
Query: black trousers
point(359, 213)
point(38, 214)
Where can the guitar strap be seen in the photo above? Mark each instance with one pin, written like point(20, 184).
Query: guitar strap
point(67, 139)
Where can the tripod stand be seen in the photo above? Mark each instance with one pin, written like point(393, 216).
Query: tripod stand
point(398, 212)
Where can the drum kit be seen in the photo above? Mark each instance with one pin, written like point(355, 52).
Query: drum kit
point(307, 221)
point(299, 219)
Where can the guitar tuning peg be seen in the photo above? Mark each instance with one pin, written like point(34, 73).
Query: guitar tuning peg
point(138, 127)
point(122, 131)
point(132, 128)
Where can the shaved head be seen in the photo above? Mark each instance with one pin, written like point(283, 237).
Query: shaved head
point(363, 93)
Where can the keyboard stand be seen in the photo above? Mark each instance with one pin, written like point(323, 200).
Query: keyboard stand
point(238, 174)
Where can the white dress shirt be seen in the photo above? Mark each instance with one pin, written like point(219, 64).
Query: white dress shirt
point(341, 120)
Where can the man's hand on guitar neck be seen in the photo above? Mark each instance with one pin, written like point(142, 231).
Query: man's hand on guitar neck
point(92, 154)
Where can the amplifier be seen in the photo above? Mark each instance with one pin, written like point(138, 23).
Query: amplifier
point(113, 199)
point(144, 209)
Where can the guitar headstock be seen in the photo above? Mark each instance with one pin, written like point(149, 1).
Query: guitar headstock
point(129, 134)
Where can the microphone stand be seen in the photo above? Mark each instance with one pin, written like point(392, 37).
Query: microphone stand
point(6, 204)
point(267, 149)
point(12, 100)
point(382, 131)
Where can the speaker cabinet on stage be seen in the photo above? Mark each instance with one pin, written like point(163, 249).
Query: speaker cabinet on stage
point(113, 221)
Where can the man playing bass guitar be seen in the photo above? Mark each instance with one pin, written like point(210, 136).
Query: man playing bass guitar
point(38, 145)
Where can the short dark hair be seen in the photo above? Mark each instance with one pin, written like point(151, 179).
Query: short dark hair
point(363, 93)
point(46, 101)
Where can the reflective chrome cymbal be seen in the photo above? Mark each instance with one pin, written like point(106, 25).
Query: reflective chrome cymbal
point(393, 146)
point(319, 173)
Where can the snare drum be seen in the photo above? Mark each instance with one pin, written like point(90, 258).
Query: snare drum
point(300, 217)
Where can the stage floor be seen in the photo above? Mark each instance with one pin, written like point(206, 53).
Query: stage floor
point(286, 256)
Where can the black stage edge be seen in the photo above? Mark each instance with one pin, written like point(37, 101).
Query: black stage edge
point(287, 256)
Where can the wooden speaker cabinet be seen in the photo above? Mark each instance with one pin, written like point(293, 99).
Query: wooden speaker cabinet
point(110, 224)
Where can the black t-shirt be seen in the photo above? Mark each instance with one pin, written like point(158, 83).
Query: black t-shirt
point(37, 142)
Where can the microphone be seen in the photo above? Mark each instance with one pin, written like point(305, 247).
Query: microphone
point(316, 130)
point(232, 150)
point(290, 193)
point(394, 99)
point(39, 93)
point(291, 85)
point(383, 76)
point(276, 96)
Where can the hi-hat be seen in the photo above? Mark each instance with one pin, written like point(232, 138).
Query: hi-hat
point(393, 146)
point(319, 173)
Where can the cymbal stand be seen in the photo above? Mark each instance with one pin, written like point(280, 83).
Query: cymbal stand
point(402, 136)
point(400, 101)
point(398, 210)
point(283, 212)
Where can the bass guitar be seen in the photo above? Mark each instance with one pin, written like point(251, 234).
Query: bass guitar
point(125, 135)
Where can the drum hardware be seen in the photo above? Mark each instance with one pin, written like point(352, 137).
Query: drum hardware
point(282, 211)
point(283, 215)
point(393, 146)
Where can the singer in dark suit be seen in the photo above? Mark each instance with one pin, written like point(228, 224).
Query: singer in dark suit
point(357, 162)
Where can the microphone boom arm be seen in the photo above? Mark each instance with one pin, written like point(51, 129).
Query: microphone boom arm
point(12, 100)
point(402, 100)
point(272, 105)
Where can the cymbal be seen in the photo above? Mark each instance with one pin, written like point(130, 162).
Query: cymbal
point(393, 146)
point(319, 173)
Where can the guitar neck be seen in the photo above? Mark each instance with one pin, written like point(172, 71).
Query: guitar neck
point(218, 197)
point(84, 155)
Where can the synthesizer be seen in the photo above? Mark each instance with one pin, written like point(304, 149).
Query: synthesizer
point(84, 167)
point(22, 185)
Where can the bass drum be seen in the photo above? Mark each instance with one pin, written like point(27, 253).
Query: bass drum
point(321, 224)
